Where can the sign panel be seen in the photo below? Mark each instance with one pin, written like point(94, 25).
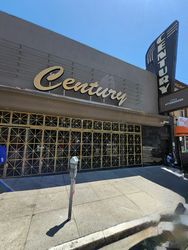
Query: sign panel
point(161, 58)
point(181, 131)
point(174, 101)
point(182, 121)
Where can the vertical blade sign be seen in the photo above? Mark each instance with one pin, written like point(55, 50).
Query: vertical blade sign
point(161, 58)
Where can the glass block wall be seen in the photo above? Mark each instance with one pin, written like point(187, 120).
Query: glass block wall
point(40, 144)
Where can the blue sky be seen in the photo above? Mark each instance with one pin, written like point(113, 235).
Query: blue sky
point(121, 28)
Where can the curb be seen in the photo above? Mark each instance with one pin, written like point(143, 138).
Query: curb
point(110, 235)
point(5, 186)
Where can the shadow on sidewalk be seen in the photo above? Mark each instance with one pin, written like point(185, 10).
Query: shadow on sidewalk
point(52, 231)
point(156, 174)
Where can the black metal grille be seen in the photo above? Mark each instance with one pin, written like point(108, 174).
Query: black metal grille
point(38, 144)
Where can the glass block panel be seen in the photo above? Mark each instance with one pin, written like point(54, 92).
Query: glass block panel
point(130, 149)
point(86, 150)
point(115, 149)
point(19, 118)
point(137, 128)
point(107, 125)
point(4, 117)
point(138, 159)
point(86, 163)
point(130, 128)
point(130, 159)
point(64, 122)
point(36, 119)
point(3, 135)
point(47, 165)
point(115, 126)
point(130, 139)
point(137, 149)
point(76, 123)
point(123, 160)
point(123, 138)
point(62, 150)
point(51, 121)
point(34, 136)
point(16, 151)
point(115, 138)
point(75, 137)
point(96, 162)
point(107, 149)
point(96, 149)
point(97, 125)
point(61, 164)
point(86, 137)
point(97, 138)
point(137, 139)
point(63, 136)
point(123, 127)
point(115, 161)
point(17, 135)
point(106, 138)
point(75, 150)
point(31, 167)
point(106, 161)
point(123, 149)
point(48, 150)
point(33, 151)
point(50, 136)
point(87, 124)
point(14, 168)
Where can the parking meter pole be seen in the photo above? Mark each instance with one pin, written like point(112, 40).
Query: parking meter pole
point(73, 173)
point(72, 188)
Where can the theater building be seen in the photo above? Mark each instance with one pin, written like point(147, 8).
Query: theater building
point(60, 98)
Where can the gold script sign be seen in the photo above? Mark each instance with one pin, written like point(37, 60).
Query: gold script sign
point(93, 88)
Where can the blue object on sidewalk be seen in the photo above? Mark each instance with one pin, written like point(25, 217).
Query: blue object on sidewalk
point(3, 154)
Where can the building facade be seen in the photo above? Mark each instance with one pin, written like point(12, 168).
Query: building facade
point(60, 98)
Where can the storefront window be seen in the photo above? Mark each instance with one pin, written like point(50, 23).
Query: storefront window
point(155, 144)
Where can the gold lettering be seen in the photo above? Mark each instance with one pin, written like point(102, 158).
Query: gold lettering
point(84, 89)
point(122, 99)
point(81, 86)
point(112, 92)
point(55, 72)
point(53, 76)
point(67, 82)
point(77, 86)
point(92, 86)
point(105, 93)
point(118, 96)
point(98, 93)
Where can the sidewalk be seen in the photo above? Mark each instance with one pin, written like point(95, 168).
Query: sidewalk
point(36, 218)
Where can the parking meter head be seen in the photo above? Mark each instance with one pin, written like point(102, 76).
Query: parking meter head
point(74, 160)
point(73, 166)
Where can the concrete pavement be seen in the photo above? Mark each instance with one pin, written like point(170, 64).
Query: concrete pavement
point(36, 218)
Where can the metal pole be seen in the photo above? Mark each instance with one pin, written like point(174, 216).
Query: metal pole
point(73, 172)
point(72, 189)
point(180, 154)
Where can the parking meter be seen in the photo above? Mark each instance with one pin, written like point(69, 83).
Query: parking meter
point(73, 167)
point(73, 172)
